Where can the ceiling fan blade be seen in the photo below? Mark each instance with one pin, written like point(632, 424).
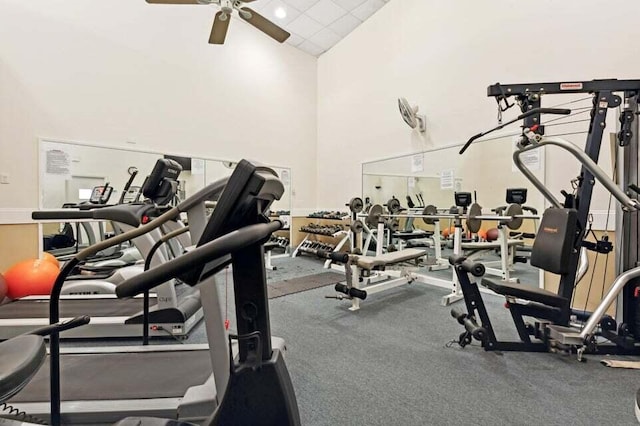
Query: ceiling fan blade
point(264, 25)
point(219, 29)
point(173, 1)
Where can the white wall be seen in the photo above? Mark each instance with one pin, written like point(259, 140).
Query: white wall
point(442, 55)
point(114, 71)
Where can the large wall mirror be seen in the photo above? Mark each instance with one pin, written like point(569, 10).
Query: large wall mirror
point(69, 171)
point(485, 170)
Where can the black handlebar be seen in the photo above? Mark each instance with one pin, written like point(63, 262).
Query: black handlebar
point(62, 326)
point(220, 247)
point(474, 268)
point(63, 214)
point(535, 111)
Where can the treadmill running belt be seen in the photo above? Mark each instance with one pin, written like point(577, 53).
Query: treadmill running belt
point(117, 376)
point(73, 308)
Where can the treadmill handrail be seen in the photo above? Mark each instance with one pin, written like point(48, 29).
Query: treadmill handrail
point(627, 202)
point(205, 194)
point(220, 247)
point(62, 214)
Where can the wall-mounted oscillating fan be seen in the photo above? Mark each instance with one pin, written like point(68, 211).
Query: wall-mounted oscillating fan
point(223, 17)
point(411, 116)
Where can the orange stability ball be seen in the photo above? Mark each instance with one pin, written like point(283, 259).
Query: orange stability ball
point(482, 234)
point(50, 258)
point(3, 288)
point(448, 231)
point(30, 277)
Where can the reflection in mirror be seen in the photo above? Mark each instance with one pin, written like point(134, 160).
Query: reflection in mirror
point(72, 173)
point(69, 172)
point(486, 171)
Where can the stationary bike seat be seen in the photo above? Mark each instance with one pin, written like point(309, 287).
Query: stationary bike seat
point(21, 358)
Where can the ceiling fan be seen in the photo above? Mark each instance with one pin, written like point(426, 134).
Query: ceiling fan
point(223, 17)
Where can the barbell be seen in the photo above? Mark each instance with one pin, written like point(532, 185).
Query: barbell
point(375, 213)
point(512, 219)
point(356, 205)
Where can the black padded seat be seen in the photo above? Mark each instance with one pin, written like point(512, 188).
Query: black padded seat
point(129, 214)
point(403, 235)
point(20, 359)
point(533, 294)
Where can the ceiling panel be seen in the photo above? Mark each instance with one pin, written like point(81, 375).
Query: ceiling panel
point(317, 25)
point(345, 25)
point(326, 12)
point(368, 8)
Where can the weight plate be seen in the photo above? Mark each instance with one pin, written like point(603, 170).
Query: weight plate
point(356, 205)
point(374, 216)
point(473, 224)
point(393, 205)
point(428, 211)
point(357, 226)
point(393, 225)
point(514, 210)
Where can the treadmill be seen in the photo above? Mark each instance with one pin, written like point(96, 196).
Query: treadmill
point(104, 385)
point(169, 315)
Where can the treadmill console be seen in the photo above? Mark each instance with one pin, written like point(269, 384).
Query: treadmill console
point(101, 194)
point(516, 195)
point(463, 199)
point(161, 185)
point(248, 191)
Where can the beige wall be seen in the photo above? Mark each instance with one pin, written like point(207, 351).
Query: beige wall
point(117, 71)
point(17, 242)
point(442, 55)
point(586, 295)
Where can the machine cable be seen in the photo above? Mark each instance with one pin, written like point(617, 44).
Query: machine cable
point(8, 411)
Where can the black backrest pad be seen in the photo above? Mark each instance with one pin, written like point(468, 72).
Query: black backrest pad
point(555, 240)
point(248, 194)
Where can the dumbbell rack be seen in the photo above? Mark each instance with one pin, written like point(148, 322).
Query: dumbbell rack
point(313, 237)
point(285, 217)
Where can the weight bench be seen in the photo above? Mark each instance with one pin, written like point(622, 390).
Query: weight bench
point(500, 268)
point(268, 247)
point(375, 277)
point(404, 238)
point(551, 251)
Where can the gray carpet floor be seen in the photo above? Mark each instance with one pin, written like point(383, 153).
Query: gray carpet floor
point(389, 364)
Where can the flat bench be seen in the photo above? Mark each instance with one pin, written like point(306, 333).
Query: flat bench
point(376, 262)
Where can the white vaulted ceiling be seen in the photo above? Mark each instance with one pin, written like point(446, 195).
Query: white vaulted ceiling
point(316, 25)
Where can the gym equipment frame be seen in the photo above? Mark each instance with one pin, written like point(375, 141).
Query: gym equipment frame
point(623, 331)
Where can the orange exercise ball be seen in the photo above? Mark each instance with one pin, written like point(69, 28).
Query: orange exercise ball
point(482, 233)
point(493, 234)
point(30, 277)
point(3, 289)
point(448, 231)
point(50, 258)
